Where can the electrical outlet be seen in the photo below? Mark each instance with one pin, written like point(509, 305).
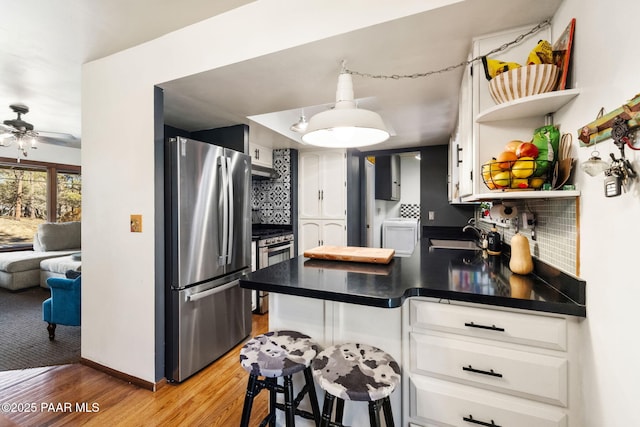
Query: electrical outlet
point(136, 223)
point(528, 220)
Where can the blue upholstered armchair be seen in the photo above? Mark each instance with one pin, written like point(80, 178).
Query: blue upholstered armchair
point(63, 308)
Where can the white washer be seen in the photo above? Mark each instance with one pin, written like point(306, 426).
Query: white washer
point(401, 234)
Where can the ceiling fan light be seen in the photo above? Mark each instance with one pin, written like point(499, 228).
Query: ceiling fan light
point(18, 131)
point(345, 125)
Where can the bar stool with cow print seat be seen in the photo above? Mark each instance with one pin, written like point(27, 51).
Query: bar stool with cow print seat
point(273, 355)
point(356, 372)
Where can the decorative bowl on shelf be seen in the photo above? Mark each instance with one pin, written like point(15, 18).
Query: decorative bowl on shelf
point(523, 81)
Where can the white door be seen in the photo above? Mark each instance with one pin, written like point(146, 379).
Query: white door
point(334, 233)
point(370, 202)
point(309, 193)
point(333, 185)
point(309, 235)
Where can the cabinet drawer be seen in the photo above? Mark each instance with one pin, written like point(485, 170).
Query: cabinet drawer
point(529, 329)
point(534, 376)
point(438, 403)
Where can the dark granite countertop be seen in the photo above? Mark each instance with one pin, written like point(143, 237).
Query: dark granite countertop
point(452, 274)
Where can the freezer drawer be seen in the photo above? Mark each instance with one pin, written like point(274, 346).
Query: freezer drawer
point(208, 322)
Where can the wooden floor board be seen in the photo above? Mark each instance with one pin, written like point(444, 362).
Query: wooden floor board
point(212, 397)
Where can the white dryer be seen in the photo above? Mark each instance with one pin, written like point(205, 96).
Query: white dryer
point(401, 234)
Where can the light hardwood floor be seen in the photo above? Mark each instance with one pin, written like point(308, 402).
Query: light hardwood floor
point(64, 395)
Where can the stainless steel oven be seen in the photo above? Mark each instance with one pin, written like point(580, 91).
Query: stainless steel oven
point(272, 249)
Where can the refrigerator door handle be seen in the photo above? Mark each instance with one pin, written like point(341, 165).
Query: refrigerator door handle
point(212, 291)
point(231, 210)
point(224, 256)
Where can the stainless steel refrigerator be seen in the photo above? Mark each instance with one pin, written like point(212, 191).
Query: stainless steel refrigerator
point(208, 236)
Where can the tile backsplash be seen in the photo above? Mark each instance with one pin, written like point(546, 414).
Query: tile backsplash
point(271, 198)
point(556, 231)
point(409, 210)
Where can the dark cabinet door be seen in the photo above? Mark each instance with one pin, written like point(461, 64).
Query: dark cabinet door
point(388, 177)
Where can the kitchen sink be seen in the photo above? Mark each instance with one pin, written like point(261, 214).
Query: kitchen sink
point(452, 244)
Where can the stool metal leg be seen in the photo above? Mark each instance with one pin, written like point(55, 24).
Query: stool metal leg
point(374, 414)
point(289, 410)
point(327, 408)
point(339, 410)
point(313, 397)
point(388, 415)
point(272, 401)
point(248, 401)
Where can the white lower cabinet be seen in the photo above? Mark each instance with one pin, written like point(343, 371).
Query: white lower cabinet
point(469, 365)
point(316, 232)
point(443, 403)
point(330, 323)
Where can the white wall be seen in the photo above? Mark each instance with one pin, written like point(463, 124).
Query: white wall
point(118, 162)
point(606, 67)
point(409, 180)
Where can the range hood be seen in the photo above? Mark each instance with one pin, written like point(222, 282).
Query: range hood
point(263, 172)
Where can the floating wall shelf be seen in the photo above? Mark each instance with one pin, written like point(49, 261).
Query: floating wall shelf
point(519, 195)
point(530, 106)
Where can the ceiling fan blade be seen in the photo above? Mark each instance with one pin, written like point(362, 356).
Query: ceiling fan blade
point(53, 141)
point(6, 128)
point(59, 138)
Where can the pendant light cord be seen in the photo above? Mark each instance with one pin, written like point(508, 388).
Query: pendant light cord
point(517, 40)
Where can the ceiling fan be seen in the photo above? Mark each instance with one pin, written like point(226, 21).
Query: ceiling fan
point(23, 134)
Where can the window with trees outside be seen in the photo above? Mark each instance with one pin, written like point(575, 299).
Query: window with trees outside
point(32, 193)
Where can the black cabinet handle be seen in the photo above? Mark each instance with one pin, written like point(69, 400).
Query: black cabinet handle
point(480, 371)
point(491, 328)
point(470, 419)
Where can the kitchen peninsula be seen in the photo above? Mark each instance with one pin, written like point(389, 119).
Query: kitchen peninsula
point(456, 306)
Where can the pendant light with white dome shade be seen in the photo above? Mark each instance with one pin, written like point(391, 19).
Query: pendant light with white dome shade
point(345, 125)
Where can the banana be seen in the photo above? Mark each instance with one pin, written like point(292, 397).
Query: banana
point(541, 54)
point(493, 67)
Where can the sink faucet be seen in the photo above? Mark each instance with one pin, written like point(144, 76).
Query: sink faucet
point(479, 233)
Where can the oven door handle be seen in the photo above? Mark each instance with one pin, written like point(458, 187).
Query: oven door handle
point(278, 248)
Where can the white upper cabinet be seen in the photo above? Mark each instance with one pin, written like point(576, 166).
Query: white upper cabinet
point(260, 155)
point(322, 184)
point(322, 199)
point(461, 145)
point(484, 128)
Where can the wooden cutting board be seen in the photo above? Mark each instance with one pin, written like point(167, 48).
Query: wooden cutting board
point(351, 253)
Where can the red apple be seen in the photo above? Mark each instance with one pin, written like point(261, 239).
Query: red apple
point(527, 149)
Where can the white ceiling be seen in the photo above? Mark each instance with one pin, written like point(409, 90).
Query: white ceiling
point(43, 44)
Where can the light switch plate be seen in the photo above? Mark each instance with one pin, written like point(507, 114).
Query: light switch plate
point(136, 223)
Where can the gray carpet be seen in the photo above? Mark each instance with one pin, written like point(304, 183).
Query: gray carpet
point(24, 340)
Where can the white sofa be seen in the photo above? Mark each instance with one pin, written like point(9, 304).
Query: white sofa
point(21, 269)
point(58, 267)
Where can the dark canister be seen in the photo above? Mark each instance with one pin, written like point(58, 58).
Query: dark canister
point(494, 242)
